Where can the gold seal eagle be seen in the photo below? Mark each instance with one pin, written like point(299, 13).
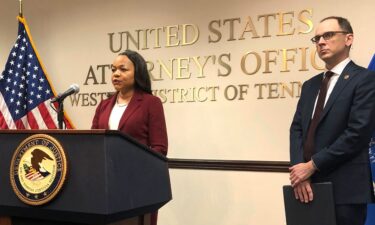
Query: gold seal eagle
point(38, 169)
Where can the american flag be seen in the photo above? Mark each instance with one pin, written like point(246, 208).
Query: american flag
point(25, 90)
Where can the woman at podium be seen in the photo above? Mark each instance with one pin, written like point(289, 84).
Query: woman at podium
point(133, 109)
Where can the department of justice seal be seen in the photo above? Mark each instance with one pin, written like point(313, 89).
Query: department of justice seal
point(38, 169)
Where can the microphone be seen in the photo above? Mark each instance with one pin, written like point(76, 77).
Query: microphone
point(74, 88)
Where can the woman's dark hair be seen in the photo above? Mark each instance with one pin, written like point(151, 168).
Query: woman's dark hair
point(142, 79)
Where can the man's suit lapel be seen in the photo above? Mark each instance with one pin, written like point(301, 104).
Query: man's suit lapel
point(343, 80)
point(313, 93)
point(134, 104)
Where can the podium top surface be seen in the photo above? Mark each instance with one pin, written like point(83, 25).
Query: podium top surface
point(87, 132)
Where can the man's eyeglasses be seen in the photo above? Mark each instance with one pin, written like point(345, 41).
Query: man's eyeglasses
point(327, 35)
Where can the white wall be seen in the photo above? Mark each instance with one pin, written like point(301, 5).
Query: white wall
point(227, 197)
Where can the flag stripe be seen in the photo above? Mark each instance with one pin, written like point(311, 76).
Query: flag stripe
point(32, 122)
point(6, 114)
point(25, 123)
point(46, 113)
point(3, 124)
point(20, 125)
point(38, 117)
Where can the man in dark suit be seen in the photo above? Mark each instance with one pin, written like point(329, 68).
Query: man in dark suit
point(333, 124)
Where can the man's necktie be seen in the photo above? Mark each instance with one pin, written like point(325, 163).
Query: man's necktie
point(308, 147)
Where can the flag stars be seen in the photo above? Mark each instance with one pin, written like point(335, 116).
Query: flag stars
point(23, 80)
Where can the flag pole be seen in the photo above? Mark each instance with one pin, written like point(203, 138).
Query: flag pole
point(20, 13)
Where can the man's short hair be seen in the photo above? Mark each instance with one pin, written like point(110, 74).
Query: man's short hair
point(343, 23)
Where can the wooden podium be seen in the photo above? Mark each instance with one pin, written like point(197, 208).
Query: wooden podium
point(110, 178)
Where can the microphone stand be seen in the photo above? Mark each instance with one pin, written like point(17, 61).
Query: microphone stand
point(74, 88)
point(60, 113)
